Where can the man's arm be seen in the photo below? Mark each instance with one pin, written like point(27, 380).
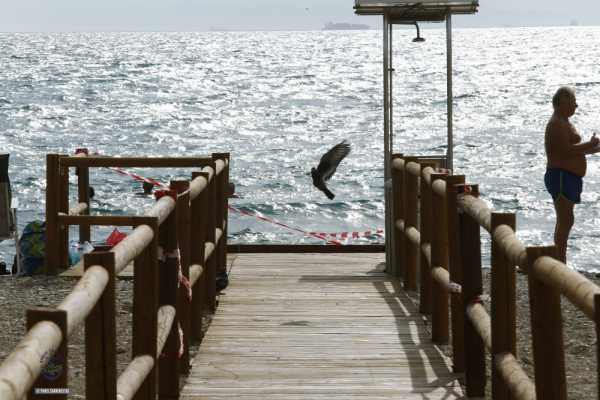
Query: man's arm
point(560, 136)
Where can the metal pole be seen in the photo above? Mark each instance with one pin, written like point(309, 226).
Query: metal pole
point(386, 96)
point(390, 229)
point(450, 149)
point(386, 135)
point(391, 96)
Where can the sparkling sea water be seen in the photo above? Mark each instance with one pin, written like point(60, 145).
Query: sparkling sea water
point(278, 100)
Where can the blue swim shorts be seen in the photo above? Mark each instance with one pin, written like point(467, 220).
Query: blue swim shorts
point(563, 183)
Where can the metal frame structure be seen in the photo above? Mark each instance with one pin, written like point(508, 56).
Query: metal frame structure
point(403, 12)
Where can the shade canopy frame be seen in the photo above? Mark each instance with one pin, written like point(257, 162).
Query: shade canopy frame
point(403, 12)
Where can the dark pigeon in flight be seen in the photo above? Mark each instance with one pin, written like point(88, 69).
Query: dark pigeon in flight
point(327, 166)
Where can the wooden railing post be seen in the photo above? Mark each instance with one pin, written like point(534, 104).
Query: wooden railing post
point(55, 375)
point(168, 367)
point(411, 193)
point(425, 230)
point(225, 212)
point(198, 233)
point(454, 268)
point(52, 252)
point(83, 196)
point(440, 316)
point(597, 320)
point(546, 332)
point(503, 314)
point(101, 335)
point(210, 282)
point(472, 287)
point(185, 293)
point(397, 213)
point(145, 308)
point(63, 206)
point(222, 213)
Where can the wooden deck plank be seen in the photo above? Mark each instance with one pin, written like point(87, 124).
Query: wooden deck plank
point(317, 326)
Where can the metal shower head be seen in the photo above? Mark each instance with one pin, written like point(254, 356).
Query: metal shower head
point(418, 39)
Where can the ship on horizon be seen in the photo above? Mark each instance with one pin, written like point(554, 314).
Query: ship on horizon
point(344, 26)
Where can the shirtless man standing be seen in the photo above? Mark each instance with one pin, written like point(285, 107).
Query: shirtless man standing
point(566, 164)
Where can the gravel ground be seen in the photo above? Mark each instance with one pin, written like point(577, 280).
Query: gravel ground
point(17, 294)
point(579, 334)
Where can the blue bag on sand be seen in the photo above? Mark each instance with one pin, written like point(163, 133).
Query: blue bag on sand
point(32, 248)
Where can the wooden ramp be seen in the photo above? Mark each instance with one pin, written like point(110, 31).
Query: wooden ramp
point(317, 326)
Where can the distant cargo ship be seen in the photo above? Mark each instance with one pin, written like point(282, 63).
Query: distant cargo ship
point(343, 26)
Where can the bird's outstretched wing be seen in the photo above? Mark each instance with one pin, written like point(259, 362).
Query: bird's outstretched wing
point(330, 160)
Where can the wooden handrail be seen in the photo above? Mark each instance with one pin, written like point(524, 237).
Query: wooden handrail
point(482, 323)
point(79, 302)
point(512, 247)
point(549, 278)
point(476, 208)
point(438, 186)
point(426, 174)
point(426, 252)
point(138, 369)
point(161, 209)
point(400, 224)
point(398, 163)
point(166, 316)
point(21, 368)
point(413, 235)
point(91, 301)
point(133, 376)
point(413, 168)
point(132, 246)
point(442, 277)
point(196, 271)
point(521, 387)
point(78, 209)
point(135, 162)
point(573, 285)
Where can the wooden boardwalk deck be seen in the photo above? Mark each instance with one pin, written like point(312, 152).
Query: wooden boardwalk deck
point(317, 326)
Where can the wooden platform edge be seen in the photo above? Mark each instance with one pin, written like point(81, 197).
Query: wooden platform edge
point(305, 248)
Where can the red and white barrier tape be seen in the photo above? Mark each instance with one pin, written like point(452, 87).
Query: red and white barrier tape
point(318, 235)
point(353, 235)
point(272, 221)
point(137, 177)
point(183, 280)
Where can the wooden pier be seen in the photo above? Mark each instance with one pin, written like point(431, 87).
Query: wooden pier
point(299, 322)
point(317, 326)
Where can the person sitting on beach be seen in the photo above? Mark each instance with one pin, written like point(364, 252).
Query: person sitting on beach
point(147, 186)
point(566, 164)
point(147, 189)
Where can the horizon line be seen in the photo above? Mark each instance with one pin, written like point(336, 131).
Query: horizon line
point(216, 29)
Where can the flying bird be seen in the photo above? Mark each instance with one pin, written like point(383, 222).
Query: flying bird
point(327, 166)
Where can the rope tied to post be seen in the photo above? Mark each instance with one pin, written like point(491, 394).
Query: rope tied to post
point(159, 194)
point(181, 349)
point(182, 279)
point(479, 299)
point(465, 189)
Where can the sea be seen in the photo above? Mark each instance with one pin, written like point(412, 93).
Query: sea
point(278, 100)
